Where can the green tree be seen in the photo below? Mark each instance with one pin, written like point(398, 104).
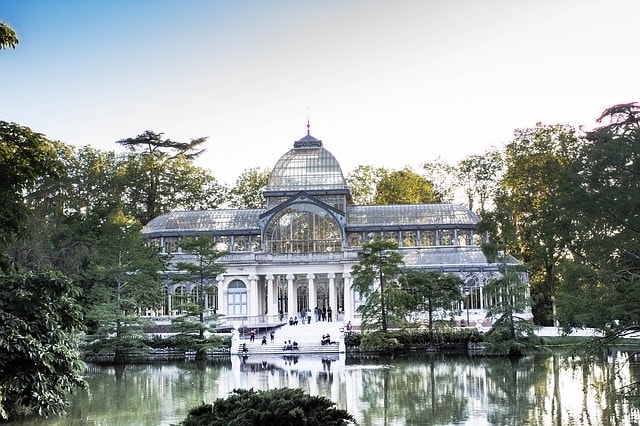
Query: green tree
point(203, 267)
point(405, 187)
point(25, 157)
point(376, 277)
point(511, 333)
point(603, 207)
point(479, 176)
point(127, 281)
point(433, 292)
point(91, 186)
point(362, 183)
point(533, 193)
point(161, 177)
point(246, 192)
point(580, 285)
point(8, 37)
point(39, 359)
point(283, 407)
point(442, 176)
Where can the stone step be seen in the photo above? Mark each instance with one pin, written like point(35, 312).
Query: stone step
point(315, 348)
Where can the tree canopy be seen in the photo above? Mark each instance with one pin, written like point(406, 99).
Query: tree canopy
point(405, 187)
point(39, 359)
point(25, 158)
point(8, 37)
point(376, 277)
point(604, 208)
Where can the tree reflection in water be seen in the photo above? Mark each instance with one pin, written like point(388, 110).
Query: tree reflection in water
point(436, 389)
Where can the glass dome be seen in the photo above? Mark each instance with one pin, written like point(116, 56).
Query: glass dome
point(306, 167)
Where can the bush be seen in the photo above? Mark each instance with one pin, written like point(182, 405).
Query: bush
point(407, 339)
point(282, 407)
point(352, 339)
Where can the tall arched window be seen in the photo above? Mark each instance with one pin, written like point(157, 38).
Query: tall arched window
point(303, 228)
point(236, 298)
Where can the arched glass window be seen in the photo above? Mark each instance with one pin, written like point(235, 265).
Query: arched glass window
point(236, 298)
point(303, 228)
point(446, 237)
point(390, 236)
point(464, 237)
point(211, 291)
point(181, 298)
point(222, 243)
point(428, 238)
point(354, 240)
point(408, 238)
point(241, 243)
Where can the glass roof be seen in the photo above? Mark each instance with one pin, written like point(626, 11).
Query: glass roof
point(410, 214)
point(205, 220)
point(308, 166)
point(357, 216)
point(448, 256)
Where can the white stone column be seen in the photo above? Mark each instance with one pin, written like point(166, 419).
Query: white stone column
point(205, 297)
point(222, 303)
point(272, 299)
point(169, 300)
point(333, 302)
point(292, 302)
point(348, 297)
point(313, 300)
point(253, 310)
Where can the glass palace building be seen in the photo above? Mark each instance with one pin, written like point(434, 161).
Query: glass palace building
point(297, 253)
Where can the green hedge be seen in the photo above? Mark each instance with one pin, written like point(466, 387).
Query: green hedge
point(407, 339)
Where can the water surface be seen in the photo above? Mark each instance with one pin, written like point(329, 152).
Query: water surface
point(417, 390)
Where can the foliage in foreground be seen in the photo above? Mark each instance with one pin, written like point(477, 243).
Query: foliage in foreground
point(281, 407)
point(412, 339)
point(39, 358)
point(511, 336)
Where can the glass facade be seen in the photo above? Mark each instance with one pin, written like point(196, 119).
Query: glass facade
point(305, 228)
point(297, 253)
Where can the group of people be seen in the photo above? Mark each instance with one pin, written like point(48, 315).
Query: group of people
point(324, 314)
point(326, 339)
point(252, 338)
point(288, 346)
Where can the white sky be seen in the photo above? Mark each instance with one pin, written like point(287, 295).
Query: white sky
point(385, 83)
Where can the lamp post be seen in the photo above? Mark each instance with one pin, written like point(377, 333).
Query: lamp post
point(467, 293)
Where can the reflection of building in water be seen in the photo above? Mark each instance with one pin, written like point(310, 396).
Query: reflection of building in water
point(297, 253)
point(546, 389)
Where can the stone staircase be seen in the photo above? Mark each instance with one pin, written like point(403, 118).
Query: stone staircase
point(308, 337)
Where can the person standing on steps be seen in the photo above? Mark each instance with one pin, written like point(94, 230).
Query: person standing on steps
point(329, 313)
point(272, 336)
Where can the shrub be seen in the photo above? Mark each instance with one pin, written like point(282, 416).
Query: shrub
point(282, 407)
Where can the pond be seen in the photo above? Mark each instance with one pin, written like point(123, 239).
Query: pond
point(438, 389)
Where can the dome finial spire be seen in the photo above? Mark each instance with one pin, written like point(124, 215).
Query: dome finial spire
point(308, 123)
